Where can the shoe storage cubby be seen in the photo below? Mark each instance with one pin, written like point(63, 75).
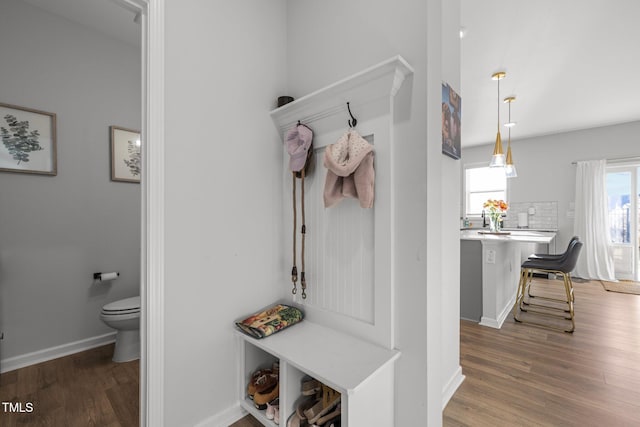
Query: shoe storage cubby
point(360, 371)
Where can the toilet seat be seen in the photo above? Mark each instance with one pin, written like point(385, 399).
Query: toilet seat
point(122, 307)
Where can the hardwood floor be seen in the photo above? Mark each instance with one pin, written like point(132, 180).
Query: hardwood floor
point(519, 375)
point(84, 389)
point(249, 421)
point(522, 375)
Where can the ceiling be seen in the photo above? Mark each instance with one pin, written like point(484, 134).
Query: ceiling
point(571, 64)
point(113, 18)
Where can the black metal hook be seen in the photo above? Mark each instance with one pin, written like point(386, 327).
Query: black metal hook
point(302, 124)
point(353, 122)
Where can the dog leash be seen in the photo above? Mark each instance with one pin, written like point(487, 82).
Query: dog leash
point(303, 232)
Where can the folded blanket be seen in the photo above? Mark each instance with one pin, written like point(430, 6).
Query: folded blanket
point(270, 321)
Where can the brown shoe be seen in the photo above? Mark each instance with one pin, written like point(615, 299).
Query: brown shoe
point(261, 380)
point(310, 387)
point(260, 399)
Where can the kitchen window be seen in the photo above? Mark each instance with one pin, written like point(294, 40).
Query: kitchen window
point(481, 184)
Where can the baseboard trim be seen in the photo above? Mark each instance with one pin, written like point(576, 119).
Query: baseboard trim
point(452, 385)
point(224, 418)
point(497, 323)
point(17, 362)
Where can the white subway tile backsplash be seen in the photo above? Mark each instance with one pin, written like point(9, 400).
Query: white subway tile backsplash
point(545, 217)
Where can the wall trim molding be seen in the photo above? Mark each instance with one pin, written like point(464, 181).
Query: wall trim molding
point(224, 418)
point(152, 363)
point(497, 323)
point(44, 355)
point(451, 386)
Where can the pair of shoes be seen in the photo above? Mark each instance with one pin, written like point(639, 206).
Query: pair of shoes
point(310, 386)
point(263, 379)
point(273, 410)
point(261, 399)
point(329, 400)
point(298, 418)
point(329, 419)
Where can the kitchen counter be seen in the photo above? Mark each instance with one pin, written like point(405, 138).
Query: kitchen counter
point(490, 271)
point(510, 229)
point(526, 236)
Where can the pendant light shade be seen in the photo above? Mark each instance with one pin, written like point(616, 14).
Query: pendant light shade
point(498, 159)
point(510, 168)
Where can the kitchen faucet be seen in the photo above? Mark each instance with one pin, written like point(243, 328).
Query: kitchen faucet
point(484, 220)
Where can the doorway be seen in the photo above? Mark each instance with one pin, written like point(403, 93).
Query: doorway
point(90, 66)
point(623, 184)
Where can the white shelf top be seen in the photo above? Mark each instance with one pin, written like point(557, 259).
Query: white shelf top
point(382, 80)
point(339, 360)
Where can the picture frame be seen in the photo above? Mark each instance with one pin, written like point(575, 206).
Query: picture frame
point(27, 140)
point(126, 155)
point(451, 121)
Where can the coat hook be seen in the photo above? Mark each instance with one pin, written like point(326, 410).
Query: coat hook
point(353, 121)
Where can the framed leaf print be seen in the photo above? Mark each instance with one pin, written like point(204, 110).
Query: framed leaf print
point(126, 159)
point(27, 140)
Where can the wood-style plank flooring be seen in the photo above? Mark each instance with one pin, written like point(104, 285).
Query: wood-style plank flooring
point(84, 389)
point(249, 421)
point(523, 375)
point(519, 375)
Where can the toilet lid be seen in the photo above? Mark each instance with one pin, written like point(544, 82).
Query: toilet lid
point(124, 305)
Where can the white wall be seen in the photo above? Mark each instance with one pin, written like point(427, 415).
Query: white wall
point(545, 172)
point(451, 187)
point(224, 195)
point(55, 231)
point(225, 68)
point(330, 40)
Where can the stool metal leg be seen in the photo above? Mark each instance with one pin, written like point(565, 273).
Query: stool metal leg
point(524, 287)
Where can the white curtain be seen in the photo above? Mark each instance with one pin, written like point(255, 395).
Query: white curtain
point(591, 222)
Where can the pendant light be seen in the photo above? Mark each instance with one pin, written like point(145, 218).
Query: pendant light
point(510, 168)
point(498, 160)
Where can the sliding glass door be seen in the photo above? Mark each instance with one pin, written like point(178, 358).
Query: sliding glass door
point(623, 183)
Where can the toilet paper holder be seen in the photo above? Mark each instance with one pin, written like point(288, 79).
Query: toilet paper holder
point(106, 276)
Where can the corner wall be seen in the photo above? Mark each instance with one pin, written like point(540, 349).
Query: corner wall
point(225, 68)
point(55, 231)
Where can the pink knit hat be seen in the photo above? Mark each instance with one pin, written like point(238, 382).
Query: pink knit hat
point(298, 142)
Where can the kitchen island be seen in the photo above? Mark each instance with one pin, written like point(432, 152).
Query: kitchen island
point(490, 271)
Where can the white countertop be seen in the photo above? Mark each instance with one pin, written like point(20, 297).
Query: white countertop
point(515, 236)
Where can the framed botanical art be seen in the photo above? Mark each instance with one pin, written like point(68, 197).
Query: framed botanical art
point(28, 140)
point(125, 155)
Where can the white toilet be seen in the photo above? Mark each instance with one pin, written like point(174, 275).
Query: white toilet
point(124, 315)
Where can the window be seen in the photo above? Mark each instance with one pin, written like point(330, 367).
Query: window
point(481, 184)
point(619, 203)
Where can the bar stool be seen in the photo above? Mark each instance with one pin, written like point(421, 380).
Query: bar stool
point(563, 266)
point(555, 257)
point(552, 257)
